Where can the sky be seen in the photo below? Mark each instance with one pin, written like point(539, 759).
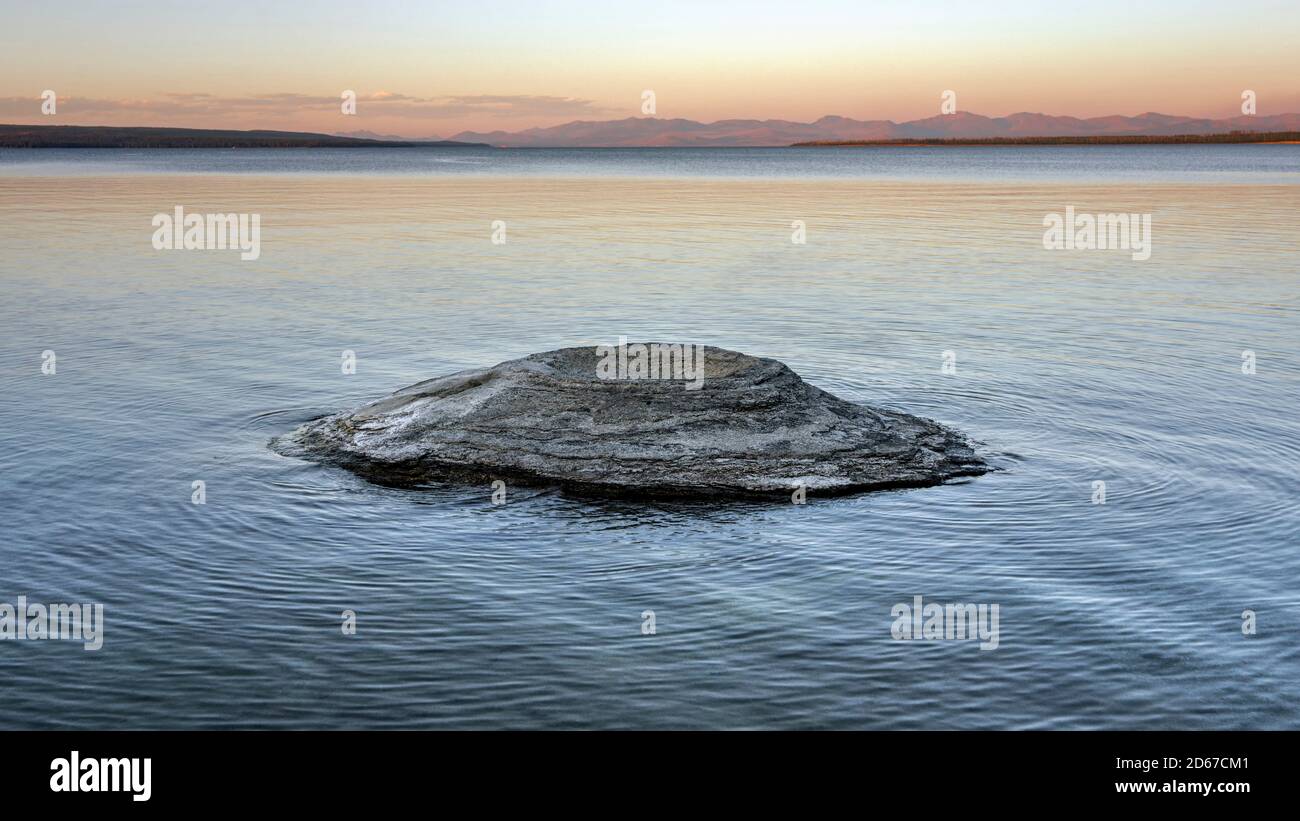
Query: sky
point(422, 69)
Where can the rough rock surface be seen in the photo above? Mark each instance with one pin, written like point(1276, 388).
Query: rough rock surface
point(752, 428)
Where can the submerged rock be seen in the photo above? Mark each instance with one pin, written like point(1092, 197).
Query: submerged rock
point(736, 425)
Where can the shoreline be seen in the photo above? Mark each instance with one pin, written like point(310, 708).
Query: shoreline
point(138, 137)
point(132, 137)
point(1234, 138)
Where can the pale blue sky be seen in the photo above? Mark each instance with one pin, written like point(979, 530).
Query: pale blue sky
point(512, 65)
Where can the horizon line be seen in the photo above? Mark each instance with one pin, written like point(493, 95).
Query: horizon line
point(417, 137)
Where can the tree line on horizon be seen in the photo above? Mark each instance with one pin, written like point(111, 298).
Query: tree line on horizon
point(1096, 139)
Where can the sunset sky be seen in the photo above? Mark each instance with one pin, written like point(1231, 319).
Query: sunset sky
point(434, 69)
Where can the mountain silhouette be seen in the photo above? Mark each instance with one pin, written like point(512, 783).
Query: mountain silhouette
point(654, 132)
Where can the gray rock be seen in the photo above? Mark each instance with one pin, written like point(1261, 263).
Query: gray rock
point(752, 428)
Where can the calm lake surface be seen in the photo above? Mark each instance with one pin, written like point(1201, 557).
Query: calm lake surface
point(1072, 367)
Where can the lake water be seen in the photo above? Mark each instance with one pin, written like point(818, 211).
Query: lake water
point(1072, 367)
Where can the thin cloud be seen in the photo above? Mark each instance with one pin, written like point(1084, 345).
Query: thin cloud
point(202, 104)
point(522, 104)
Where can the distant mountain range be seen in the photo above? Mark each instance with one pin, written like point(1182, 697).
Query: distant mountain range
point(650, 132)
point(653, 132)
